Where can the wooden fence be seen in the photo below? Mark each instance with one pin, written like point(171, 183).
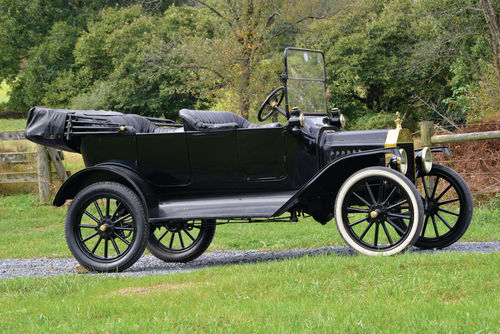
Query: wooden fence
point(428, 138)
point(44, 156)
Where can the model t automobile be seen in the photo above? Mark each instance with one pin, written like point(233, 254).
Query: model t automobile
point(165, 186)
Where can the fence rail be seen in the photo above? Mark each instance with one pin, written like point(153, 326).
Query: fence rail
point(44, 157)
point(18, 177)
point(11, 135)
point(428, 139)
point(17, 157)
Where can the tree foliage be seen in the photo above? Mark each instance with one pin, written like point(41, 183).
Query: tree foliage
point(429, 59)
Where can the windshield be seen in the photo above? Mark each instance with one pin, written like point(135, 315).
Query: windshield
point(306, 81)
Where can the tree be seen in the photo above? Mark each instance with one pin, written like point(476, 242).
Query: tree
point(125, 63)
point(492, 17)
point(453, 42)
point(25, 29)
point(366, 46)
point(402, 55)
point(43, 64)
point(247, 31)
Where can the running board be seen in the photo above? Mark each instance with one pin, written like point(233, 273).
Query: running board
point(254, 205)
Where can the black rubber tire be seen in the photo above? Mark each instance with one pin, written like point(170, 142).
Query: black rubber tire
point(402, 183)
point(198, 247)
point(73, 218)
point(465, 214)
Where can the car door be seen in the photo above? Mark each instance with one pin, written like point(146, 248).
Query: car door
point(261, 153)
point(214, 159)
point(163, 158)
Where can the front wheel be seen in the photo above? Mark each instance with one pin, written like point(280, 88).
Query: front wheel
point(106, 228)
point(367, 206)
point(448, 207)
point(181, 241)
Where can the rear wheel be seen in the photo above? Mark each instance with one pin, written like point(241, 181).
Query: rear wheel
point(367, 205)
point(106, 228)
point(181, 241)
point(448, 207)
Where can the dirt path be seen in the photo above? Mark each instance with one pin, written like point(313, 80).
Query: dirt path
point(149, 265)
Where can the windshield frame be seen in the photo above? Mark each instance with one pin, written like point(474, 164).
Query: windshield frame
point(286, 78)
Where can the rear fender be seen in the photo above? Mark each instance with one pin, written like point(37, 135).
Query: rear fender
point(326, 183)
point(112, 173)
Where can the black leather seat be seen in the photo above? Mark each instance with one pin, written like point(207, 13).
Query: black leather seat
point(144, 125)
point(208, 120)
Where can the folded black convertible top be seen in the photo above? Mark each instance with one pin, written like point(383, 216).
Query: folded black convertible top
point(63, 128)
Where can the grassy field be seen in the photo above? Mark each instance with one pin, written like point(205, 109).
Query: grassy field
point(424, 293)
point(12, 124)
point(31, 230)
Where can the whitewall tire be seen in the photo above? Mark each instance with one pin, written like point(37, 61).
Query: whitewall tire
point(379, 211)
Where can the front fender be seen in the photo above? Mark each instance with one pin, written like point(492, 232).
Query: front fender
point(443, 149)
point(329, 179)
point(112, 173)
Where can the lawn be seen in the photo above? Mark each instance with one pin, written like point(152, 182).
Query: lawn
point(412, 293)
point(32, 230)
point(11, 124)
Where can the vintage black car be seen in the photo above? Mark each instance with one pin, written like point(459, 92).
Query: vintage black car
point(165, 186)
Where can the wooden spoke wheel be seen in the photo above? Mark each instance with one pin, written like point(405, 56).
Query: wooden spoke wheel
point(181, 241)
point(105, 227)
point(448, 207)
point(367, 205)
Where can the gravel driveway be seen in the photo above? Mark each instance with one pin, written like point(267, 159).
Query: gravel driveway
point(149, 265)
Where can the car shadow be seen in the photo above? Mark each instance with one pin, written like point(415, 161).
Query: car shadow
point(149, 265)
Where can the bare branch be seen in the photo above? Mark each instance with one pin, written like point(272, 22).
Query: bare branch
point(435, 110)
point(215, 11)
point(236, 16)
point(199, 67)
point(270, 18)
point(292, 25)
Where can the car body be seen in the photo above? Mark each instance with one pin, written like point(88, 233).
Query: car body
point(218, 167)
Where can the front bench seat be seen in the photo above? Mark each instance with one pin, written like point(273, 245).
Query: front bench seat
point(209, 120)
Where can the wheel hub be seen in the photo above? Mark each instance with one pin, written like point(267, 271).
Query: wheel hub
point(430, 207)
point(106, 228)
point(377, 213)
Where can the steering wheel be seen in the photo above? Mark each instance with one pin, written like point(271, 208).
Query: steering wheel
point(272, 102)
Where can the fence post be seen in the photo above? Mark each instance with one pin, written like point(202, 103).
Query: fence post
point(43, 174)
point(426, 132)
point(56, 159)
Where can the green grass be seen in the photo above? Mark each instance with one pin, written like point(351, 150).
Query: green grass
point(31, 230)
point(412, 293)
point(9, 124)
point(4, 92)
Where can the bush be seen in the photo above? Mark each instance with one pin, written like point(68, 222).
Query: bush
point(372, 121)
